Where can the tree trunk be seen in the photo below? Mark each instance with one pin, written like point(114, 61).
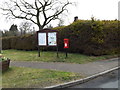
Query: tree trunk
point(40, 27)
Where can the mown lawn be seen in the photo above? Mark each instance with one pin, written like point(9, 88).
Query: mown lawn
point(19, 77)
point(18, 55)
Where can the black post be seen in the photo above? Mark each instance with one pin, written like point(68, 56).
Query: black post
point(38, 51)
point(66, 53)
point(57, 53)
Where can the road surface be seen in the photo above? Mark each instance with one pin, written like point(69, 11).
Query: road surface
point(110, 80)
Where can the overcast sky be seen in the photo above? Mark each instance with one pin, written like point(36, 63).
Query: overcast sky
point(85, 9)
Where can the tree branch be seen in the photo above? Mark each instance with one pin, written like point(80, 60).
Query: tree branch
point(39, 9)
point(28, 13)
point(56, 14)
point(24, 3)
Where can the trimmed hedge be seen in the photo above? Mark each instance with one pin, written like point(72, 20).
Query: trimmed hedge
point(6, 42)
point(91, 37)
point(27, 42)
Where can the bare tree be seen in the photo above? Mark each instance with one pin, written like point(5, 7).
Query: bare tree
point(25, 27)
point(61, 22)
point(49, 26)
point(39, 12)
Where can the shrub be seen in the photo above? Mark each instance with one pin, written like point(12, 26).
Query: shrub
point(2, 58)
point(91, 37)
point(6, 42)
point(27, 42)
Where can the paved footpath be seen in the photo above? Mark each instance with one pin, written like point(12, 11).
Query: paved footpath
point(85, 69)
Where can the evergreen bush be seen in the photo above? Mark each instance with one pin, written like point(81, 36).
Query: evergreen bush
point(91, 37)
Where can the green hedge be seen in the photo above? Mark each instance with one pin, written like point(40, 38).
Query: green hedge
point(91, 37)
point(27, 42)
point(6, 43)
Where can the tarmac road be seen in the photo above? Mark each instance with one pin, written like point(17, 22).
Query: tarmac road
point(110, 80)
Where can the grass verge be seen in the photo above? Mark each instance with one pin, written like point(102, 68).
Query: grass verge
point(18, 55)
point(19, 77)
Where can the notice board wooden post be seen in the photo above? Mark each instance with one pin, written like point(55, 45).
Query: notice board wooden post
point(38, 51)
point(57, 52)
point(47, 38)
point(41, 40)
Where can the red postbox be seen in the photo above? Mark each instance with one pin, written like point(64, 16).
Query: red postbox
point(66, 43)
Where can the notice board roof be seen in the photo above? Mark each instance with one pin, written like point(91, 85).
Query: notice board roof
point(47, 30)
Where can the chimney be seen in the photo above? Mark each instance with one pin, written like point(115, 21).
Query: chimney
point(75, 18)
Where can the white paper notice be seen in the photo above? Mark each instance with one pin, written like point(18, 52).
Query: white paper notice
point(42, 39)
point(52, 38)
